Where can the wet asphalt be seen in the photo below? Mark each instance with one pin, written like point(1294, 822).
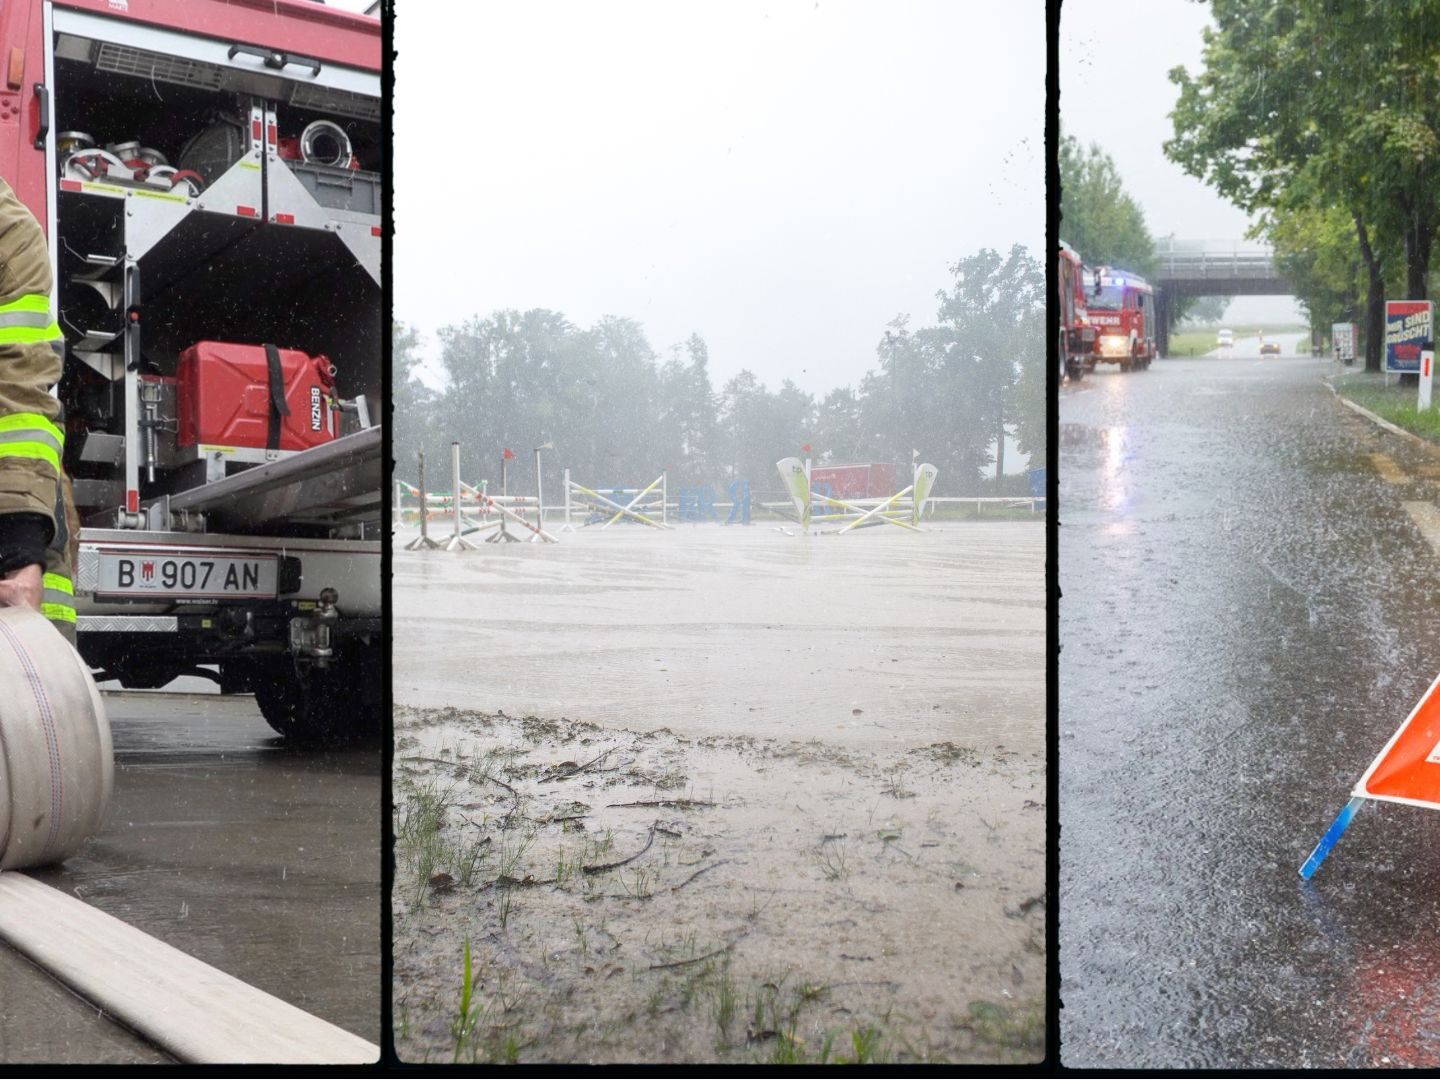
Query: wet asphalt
point(1247, 616)
point(261, 860)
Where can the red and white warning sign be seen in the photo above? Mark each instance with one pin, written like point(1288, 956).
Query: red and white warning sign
point(1408, 769)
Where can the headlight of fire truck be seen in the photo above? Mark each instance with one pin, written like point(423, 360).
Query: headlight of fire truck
point(1114, 345)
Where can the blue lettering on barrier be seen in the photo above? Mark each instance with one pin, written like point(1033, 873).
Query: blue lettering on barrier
point(820, 509)
point(697, 504)
point(739, 502)
point(687, 504)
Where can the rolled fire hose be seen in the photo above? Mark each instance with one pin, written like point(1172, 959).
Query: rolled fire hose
point(324, 142)
point(56, 763)
point(56, 775)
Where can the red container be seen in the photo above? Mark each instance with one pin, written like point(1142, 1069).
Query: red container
point(224, 397)
point(867, 481)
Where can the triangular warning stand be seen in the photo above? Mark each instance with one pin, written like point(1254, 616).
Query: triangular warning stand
point(1406, 771)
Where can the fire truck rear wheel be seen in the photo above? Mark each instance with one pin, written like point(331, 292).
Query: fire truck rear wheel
point(334, 706)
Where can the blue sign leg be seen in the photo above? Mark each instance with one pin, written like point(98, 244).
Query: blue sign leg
point(1328, 841)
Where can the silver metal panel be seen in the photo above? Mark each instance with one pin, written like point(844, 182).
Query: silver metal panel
point(52, 192)
point(102, 493)
point(363, 244)
point(103, 449)
point(149, 219)
point(289, 196)
point(291, 545)
point(143, 64)
point(127, 624)
point(325, 99)
point(318, 481)
point(244, 74)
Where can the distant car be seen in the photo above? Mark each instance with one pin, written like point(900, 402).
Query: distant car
point(1225, 339)
point(1270, 348)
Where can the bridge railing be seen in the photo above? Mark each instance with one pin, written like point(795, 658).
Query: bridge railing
point(1217, 265)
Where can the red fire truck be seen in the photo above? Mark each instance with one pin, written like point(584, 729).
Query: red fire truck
point(1121, 307)
point(1077, 335)
point(208, 174)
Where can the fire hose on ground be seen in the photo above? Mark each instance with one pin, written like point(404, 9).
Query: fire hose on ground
point(56, 777)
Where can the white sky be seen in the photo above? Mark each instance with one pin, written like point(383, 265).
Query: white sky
point(781, 176)
point(1115, 59)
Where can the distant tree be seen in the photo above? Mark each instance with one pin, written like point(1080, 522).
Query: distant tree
point(1316, 249)
point(687, 411)
point(994, 318)
point(615, 414)
point(413, 403)
point(840, 435)
point(1206, 310)
point(1098, 217)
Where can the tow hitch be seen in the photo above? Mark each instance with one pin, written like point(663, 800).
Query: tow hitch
point(312, 636)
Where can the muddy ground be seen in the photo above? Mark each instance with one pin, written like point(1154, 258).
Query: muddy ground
point(855, 875)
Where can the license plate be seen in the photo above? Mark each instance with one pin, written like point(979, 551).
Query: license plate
point(207, 576)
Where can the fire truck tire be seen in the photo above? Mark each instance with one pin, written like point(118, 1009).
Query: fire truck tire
point(1075, 371)
point(57, 766)
point(334, 706)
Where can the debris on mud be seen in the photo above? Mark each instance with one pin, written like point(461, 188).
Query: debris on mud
point(657, 899)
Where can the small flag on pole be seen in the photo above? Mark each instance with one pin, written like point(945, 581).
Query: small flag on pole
point(806, 448)
point(509, 454)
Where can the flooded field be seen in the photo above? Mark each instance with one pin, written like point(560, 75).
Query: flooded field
point(740, 631)
point(722, 794)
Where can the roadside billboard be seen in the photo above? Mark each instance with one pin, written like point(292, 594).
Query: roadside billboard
point(1407, 327)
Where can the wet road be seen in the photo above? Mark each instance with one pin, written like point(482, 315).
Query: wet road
point(1248, 615)
point(220, 841)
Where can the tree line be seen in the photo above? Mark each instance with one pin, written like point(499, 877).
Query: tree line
point(1103, 222)
point(1322, 120)
point(616, 412)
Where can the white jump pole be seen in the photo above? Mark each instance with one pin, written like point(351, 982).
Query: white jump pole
point(568, 526)
point(502, 535)
point(423, 540)
point(539, 497)
point(457, 541)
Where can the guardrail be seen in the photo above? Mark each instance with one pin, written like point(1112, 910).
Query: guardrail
point(1217, 265)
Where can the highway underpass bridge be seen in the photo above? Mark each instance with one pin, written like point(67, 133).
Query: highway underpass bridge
point(1209, 268)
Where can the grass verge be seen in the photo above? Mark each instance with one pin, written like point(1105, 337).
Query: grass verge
point(1394, 403)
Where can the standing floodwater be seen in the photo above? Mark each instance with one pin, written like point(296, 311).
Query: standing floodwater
point(712, 630)
point(723, 794)
point(1248, 615)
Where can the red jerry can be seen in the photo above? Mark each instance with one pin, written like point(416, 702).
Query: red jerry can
point(256, 396)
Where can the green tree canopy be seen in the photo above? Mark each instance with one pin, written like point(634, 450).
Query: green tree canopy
point(1098, 217)
point(1307, 108)
point(616, 412)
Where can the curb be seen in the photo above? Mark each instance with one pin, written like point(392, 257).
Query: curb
point(1379, 421)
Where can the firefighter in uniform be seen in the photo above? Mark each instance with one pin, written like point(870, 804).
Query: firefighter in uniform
point(37, 522)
